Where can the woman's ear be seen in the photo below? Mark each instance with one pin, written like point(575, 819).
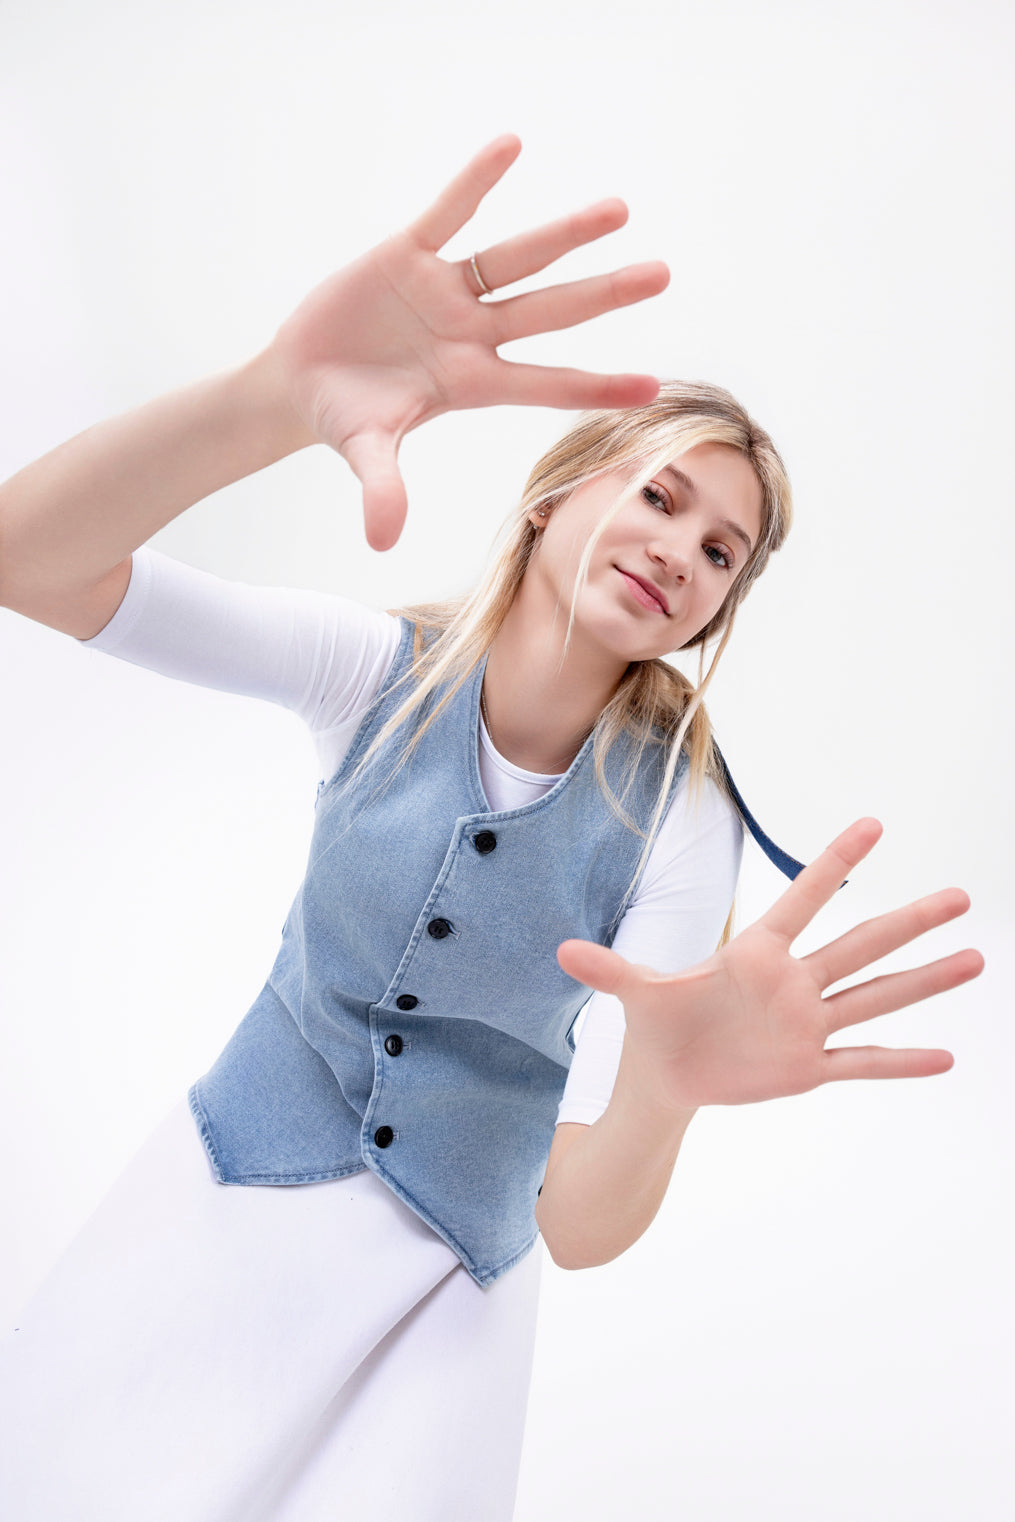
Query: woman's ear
point(537, 516)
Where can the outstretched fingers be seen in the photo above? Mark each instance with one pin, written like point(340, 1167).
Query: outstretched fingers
point(550, 386)
point(820, 880)
point(884, 1062)
point(875, 938)
point(374, 459)
point(896, 990)
point(565, 306)
point(529, 252)
point(459, 200)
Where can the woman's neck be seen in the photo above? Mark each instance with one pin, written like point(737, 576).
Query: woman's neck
point(540, 710)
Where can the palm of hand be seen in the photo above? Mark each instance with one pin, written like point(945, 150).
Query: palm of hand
point(751, 1025)
point(751, 1022)
point(386, 343)
point(401, 335)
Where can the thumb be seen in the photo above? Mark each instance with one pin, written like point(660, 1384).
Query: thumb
point(374, 459)
point(598, 967)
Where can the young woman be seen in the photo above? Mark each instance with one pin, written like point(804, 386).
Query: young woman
point(520, 803)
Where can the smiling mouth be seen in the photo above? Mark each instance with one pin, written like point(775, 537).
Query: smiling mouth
point(641, 593)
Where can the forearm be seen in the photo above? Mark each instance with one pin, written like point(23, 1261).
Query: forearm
point(68, 518)
point(602, 1191)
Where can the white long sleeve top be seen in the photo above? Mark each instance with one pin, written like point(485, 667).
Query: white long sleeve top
point(325, 658)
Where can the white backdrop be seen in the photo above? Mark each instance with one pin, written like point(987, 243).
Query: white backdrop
point(818, 1325)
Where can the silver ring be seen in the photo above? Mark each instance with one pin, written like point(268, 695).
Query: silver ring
point(486, 290)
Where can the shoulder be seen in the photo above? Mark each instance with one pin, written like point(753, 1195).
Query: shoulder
point(700, 839)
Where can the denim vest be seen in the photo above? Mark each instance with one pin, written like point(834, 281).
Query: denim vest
point(416, 1021)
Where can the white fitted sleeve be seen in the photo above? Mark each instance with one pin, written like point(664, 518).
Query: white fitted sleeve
point(321, 655)
point(674, 920)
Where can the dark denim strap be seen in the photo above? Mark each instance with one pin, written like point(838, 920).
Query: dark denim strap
point(784, 862)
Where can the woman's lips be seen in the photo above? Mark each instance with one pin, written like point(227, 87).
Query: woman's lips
point(641, 592)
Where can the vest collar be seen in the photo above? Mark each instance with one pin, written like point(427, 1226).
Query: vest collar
point(468, 695)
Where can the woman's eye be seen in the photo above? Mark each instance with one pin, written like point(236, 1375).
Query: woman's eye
point(718, 556)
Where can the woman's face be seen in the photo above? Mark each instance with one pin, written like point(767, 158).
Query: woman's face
point(665, 564)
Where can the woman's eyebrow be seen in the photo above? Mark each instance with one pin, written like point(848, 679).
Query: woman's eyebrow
point(692, 491)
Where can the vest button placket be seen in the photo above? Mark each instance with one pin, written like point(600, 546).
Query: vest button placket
point(465, 1169)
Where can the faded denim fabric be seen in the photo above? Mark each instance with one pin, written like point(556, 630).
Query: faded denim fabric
point(415, 1021)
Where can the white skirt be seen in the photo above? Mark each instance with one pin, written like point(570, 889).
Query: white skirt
point(213, 1353)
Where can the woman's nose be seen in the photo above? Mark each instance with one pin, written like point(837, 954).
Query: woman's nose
point(674, 554)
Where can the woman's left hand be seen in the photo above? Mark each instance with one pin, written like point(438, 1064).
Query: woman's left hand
point(751, 1022)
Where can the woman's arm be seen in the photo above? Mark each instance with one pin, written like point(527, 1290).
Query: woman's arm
point(748, 1024)
point(69, 522)
point(378, 348)
point(320, 655)
point(604, 1183)
point(674, 921)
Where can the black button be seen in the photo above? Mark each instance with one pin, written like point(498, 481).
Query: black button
point(485, 842)
point(439, 929)
point(384, 1136)
point(406, 1001)
point(393, 1045)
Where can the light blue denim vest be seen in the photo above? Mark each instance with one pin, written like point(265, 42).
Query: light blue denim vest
point(416, 1021)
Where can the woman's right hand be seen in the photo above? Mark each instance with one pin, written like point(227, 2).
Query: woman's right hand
point(401, 336)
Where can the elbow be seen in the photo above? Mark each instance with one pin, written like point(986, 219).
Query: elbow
point(566, 1249)
point(565, 1259)
point(551, 1242)
point(571, 1258)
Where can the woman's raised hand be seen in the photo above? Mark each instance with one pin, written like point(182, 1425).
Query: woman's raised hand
point(401, 335)
point(751, 1022)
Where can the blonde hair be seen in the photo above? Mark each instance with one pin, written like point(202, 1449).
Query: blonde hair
point(654, 701)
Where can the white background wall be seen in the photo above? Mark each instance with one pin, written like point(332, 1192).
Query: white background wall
point(818, 1325)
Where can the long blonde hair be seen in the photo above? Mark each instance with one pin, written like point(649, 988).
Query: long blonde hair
point(654, 700)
